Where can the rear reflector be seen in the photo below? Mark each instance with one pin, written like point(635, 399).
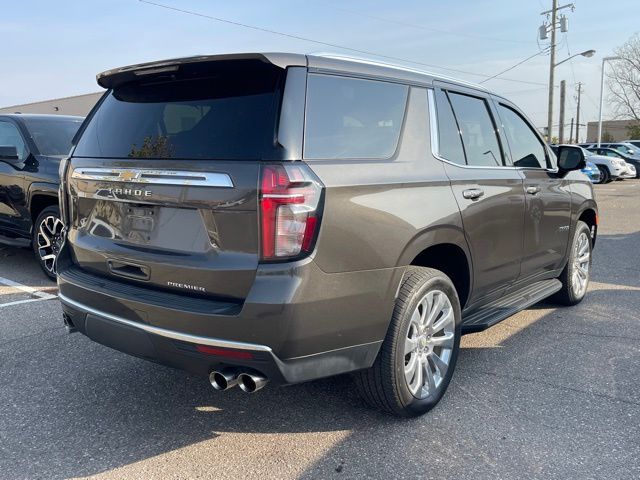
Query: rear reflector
point(289, 210)
point(224, 352)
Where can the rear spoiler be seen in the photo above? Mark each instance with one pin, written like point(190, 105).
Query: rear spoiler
point(118, 76)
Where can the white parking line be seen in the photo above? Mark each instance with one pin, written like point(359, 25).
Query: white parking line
point(34, 292)
point(18, 302)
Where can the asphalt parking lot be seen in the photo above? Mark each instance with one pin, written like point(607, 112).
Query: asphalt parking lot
point(550, 393)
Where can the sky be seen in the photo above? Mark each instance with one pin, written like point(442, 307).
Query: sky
point(54, 49)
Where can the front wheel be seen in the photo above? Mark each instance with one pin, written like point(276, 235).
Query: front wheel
point(605, 176)
point(417, 358)
point(575, 276)
point(47, 239)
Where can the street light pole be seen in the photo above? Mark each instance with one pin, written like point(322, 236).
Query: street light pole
point(604, 60)
point(562, 101)
point(552, 62)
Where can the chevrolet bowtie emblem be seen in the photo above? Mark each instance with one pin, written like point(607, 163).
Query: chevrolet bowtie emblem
point(128, 175)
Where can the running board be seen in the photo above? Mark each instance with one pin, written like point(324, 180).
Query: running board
point(508, 305)
point(15, 242)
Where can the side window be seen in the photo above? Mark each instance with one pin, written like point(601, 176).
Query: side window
point(526, 148)
point(10, 137)
point(478, 132)
point(449, 140)
point(352, 117)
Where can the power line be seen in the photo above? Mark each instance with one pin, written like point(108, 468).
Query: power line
point(526, 90)
point(430, 29)
point(326, 44)
point(513, 66)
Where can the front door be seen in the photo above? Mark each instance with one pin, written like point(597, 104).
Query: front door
point(12, 194)
point(548, 197)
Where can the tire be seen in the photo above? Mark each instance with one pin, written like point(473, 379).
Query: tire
point(46, 239)
point(605, 176)
point(385, 385)
point(573, 292)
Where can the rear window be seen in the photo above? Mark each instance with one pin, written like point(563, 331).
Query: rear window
point(352, 118)
point(52, 136)
point(229, 114)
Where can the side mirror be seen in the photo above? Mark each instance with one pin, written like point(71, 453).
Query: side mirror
point(9, 153)
point(570, 158)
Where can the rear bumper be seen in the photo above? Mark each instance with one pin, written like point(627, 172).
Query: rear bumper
point(297, 324)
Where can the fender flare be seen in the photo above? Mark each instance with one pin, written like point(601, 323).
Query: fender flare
point(434, 236)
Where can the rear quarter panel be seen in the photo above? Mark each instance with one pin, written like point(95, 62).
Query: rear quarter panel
point(382, 213)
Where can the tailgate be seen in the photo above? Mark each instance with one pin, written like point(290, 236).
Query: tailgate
point(192, 228)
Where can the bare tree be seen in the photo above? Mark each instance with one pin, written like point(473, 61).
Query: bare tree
point(624, 80)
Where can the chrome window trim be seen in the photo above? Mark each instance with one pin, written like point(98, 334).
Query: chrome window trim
point(163, 332)
point(433, 126)
point(152, 176)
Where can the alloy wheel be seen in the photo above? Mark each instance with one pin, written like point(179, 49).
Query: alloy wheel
point(49, 240)
point(581, 263)
point(429, 344)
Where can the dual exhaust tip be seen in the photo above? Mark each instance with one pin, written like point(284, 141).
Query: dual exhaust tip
point(225, 379)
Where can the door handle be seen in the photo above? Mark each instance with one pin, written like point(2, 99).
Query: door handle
point(472, 193)
point(532, 189)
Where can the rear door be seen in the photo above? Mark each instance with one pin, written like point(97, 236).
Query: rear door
point(163, 181)
point(548, 196)
point(488, 191)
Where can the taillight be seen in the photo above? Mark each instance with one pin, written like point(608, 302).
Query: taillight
point(289, 210)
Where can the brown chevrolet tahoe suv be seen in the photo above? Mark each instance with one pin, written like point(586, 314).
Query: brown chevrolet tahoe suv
point(280, 218)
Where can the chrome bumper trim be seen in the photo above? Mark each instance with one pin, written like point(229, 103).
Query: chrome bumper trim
point(163, 332)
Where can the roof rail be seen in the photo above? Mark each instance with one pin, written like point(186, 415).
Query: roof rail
point(378, 63)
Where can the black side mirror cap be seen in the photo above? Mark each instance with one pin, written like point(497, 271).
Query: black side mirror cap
point(9, 153)
point(570, 158)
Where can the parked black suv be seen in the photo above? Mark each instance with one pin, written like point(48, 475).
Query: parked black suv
point(278, 217)
point(31, 147)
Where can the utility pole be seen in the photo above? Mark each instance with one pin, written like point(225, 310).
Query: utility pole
point(571, 132)
point(552, 62)
point(563, 86)
point(578, 113)
point(544, 29)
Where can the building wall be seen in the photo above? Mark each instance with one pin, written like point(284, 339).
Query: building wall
point(616, 128)
point(78, 105)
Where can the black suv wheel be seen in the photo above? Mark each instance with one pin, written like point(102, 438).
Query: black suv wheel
point(417, 358)
point(47, 239)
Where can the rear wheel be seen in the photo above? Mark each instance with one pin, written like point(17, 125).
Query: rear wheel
point(47, 239)
point(417, 358)
point(575, 276)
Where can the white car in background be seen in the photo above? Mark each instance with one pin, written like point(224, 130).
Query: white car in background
point(611, 168)
point(630, 173)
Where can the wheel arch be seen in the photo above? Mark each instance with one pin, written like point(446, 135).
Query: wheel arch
point(444, 249)
point(589, 215)
point(41, 196)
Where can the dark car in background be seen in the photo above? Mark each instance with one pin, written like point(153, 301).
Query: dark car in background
point(31, 147)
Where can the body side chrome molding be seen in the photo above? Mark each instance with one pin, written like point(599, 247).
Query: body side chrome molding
point(183, 337)
point(151, 176)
